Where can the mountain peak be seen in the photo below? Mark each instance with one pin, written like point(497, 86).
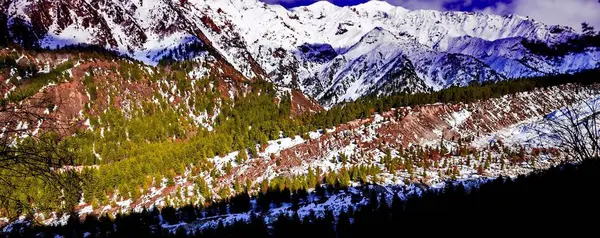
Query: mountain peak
point(377, 4)
point(372, 39)
point(322, 5)
point(378, 32)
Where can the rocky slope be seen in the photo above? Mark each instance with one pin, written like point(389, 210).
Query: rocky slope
point(423, 127)
point(330, 53)
point(469, 134)
point(66, 89)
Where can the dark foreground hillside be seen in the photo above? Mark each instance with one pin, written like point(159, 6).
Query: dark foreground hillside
point(562, 200)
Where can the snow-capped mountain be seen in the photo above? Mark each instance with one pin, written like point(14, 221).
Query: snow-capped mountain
point(145, 30)
point(330, 53)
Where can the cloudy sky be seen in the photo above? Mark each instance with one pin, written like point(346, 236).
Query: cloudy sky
point(564, 12)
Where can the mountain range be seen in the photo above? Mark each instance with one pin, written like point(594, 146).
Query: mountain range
point(330, 53)
point(202, 114)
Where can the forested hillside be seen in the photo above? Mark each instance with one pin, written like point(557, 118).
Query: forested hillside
point(135, 122)
point(368, 105)
point(126, 130)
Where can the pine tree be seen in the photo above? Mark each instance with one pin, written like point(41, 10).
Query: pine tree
point(331, 179)
point(224, 192)
point(455, 172)
point(344, 178)
point(228, 168)
point(312, 179)
point(237, 186)
point(587, 29)
point(343, 158)
point(242, 157)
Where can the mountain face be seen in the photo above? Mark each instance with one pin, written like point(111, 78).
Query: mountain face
point(331, 53)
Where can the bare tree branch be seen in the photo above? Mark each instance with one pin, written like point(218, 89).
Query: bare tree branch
point(32, 146)
point(576, 130)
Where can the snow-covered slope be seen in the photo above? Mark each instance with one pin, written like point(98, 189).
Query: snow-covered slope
point(144, 29)
point(331, 53)
point(443, 48)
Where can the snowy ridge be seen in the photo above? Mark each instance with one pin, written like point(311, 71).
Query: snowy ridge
point(331, 53)
point(445, 48)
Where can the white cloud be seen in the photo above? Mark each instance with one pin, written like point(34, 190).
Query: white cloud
point(554, 12)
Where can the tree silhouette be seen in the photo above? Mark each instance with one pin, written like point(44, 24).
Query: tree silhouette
point(576, 129)
point(35, 155)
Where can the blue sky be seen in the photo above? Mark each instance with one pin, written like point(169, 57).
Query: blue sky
point(555, 12)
